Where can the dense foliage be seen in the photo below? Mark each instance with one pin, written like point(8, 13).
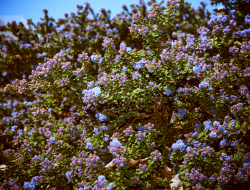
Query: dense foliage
point(117, 101)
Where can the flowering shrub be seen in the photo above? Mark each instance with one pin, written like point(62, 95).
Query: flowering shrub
point(191, 95)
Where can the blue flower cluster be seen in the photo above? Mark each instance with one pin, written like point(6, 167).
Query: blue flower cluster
point(168, 92)
point(139, 64)
point(195, 176)
point(13, 128)
point(116, 147)
point(152, 84)
point(102, 117)
point(179, 145)
point(247, 19)
point(106, 138)
point(94, 58)
point(89, 145)
point(124, 68)
point(90, 94)
point(52, 139)
point(182, 113)
point(70, 175)
point(223, 143)
point(104, 128)
point(4, 74)
point(205, 84)
point(101, 183)
point(212, 134)
point(32, 184)
point(96, 91)
point(196, 69)
point(141, 128)
point(90, 84)
point(208, 125)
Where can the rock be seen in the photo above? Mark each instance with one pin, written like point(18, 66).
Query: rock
point(143, 160)
point(47, 188)
point(3, 167)
point(110, 166)
point(177, 183)
point(166, 172)
point(132, 162)
point(155, 177)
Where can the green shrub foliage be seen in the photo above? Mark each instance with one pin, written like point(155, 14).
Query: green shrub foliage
point(110, 103)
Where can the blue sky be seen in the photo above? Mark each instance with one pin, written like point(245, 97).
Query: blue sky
point(22, 10)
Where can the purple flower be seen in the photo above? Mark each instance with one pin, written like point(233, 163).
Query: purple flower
point(152, 145)
point(143, 167)
point(212, 178)
point(96, 91)
point(136, 75)
point(69, 173)
point(136, 179)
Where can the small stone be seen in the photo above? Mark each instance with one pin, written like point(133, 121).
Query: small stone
point(166, 172)
point(110, 166)
point(177, 183)
point(132, 162)
point(3, 167)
